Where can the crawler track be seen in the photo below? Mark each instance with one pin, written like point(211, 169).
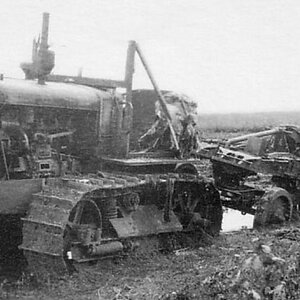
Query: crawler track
point(53, 226)
point(44, 227)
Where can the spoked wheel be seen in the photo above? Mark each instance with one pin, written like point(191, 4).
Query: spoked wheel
point(275, 207)
point(184, 205)
point(198, 206)
point(84, 227)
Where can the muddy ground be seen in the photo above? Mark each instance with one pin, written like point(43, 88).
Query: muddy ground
point(248, 264)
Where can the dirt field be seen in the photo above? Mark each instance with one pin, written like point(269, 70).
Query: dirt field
point(237, 265)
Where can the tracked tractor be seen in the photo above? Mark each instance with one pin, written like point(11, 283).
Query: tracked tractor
point(68, 180)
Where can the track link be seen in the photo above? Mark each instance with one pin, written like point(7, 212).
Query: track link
point(49, 224)
point(43, 228)
point(48, 216)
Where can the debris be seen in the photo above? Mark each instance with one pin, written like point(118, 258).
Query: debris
point(279, 292)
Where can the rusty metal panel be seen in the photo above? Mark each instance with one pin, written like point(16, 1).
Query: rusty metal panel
point(146, 220)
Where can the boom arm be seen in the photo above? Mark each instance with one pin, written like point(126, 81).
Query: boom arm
point(161, 98)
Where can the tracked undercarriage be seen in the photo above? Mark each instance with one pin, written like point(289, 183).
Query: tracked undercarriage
point(76, 220)
point(69, 220)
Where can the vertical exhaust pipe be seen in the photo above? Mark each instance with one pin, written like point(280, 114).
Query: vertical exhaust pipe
point(129, 71)
point(45, 31)
point(44, 45)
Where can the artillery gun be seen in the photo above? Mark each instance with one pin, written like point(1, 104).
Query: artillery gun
point(68, 179)
point(258, 174)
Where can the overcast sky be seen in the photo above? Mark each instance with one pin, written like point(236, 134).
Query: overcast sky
point(229, 55)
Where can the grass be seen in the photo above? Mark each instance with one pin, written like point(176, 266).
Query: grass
point(246, 121)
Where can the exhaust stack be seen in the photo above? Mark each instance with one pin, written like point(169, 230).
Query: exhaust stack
point(42, 58)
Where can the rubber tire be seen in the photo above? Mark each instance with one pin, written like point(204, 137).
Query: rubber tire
point(275, 207)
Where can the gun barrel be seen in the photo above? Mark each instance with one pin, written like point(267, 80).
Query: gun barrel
point(247, 136)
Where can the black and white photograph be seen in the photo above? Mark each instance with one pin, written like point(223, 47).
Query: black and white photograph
point(150, 150)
